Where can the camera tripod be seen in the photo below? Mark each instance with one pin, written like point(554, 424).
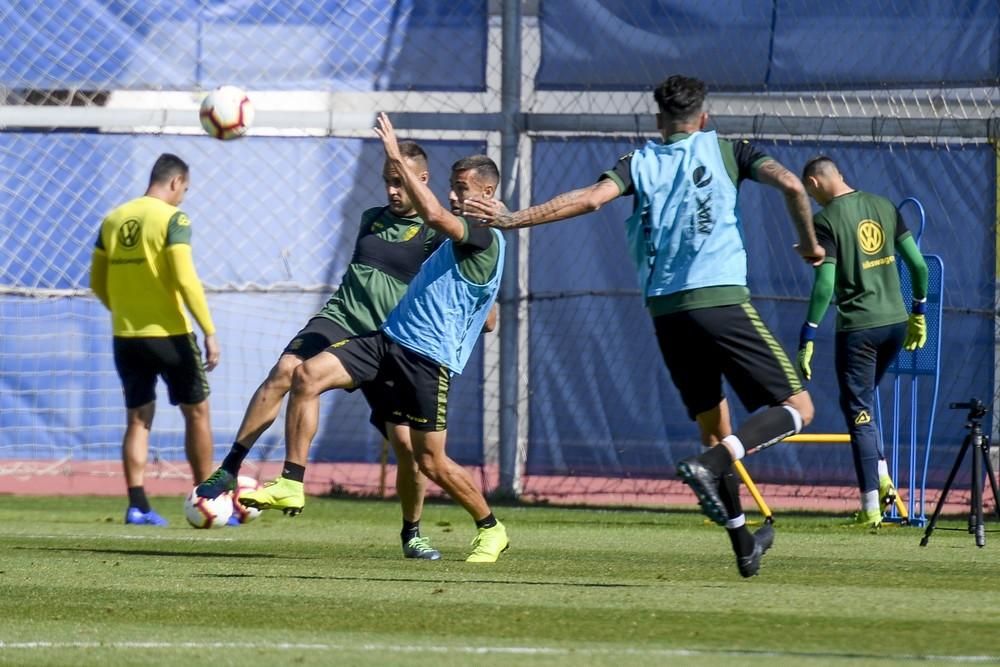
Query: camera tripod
point(979, 442)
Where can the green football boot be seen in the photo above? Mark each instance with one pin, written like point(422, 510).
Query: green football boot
point(221, 481)
point(489, 544)
point(870, 519)
point(281, 494)
point(420, 547)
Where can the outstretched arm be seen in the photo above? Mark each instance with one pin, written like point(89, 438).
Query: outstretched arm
point(567, 205)
point(427, 205)
point(771, 172)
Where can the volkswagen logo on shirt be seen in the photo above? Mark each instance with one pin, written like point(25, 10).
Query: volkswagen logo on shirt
point(129, 233)
point(871, 238)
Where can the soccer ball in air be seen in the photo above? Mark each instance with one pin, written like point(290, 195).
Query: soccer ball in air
point(226, 112)
point(244, 484)
point(208, 512)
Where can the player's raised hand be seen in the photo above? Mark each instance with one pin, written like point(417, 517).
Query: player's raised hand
point(385, 131)
point(491, 212)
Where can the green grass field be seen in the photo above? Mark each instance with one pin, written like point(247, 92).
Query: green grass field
point(578, 587)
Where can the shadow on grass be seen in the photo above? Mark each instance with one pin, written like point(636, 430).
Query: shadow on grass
point(158, 552)
point(421, 580)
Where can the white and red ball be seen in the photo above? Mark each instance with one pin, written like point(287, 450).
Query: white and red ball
point(244, 484)
point(208, 512)
point(226, 112)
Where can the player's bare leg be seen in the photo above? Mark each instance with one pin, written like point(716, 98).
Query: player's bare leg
point(411, 485)
point(265, 404)
point(198, 439)
point(434, 462)
point(261, 411)
point(135, 444)
point(429, 449)
point(309, 380)
point(802, 403)
point(135, 454)
point(715, 424)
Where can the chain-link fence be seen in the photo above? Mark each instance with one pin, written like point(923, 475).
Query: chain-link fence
point(903, 95)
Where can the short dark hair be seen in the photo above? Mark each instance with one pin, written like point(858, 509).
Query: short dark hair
point(483, 165)
point(166, 167)
point(411, 150)
point(680, 97)
point(818, 165)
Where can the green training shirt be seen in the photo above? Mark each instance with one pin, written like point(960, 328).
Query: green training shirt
point(367, 294)
point(860, 233)
point(477, 254)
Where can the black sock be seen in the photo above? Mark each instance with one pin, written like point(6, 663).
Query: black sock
point(137, 498)
point(293, 471)
point(742, 540)
point(765, 428)
point(487, 521)
point(234, 459)
point(410, 530)
point(717, 459)
point(729, 492)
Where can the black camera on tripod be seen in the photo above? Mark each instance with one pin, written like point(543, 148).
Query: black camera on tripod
point(979, 443)
point(977, 409)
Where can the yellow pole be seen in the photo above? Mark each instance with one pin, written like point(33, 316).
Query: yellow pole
point(752, 488)
point(901, 506)
point(818, 438)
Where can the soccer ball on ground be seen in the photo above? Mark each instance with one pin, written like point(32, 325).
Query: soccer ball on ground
point(208, 512)
point(226, 112)
point(244, 484)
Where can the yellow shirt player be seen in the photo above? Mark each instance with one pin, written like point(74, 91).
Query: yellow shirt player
point(143, 272)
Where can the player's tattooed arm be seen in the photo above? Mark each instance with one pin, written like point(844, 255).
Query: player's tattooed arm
point(567, 205)
point(771, 172)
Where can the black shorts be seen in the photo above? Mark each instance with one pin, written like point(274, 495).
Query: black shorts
point(318, 334)
point(412, 388)
point(176, 359)
point(702, 346)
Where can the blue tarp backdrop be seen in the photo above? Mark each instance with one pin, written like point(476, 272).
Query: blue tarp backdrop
point(291, 218)
point(769, 44)
point(294, 44)
point(601, 400)
point(272, 215)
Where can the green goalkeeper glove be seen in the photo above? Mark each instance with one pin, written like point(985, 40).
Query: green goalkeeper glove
point(916, 333)
point(805, 358)
point(806, 338)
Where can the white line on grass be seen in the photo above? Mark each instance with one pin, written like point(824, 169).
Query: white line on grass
point(487, 650)
point(105, 537)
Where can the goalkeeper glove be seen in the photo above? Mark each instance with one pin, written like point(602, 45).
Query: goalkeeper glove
point(804, 357)
point(916, 327)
